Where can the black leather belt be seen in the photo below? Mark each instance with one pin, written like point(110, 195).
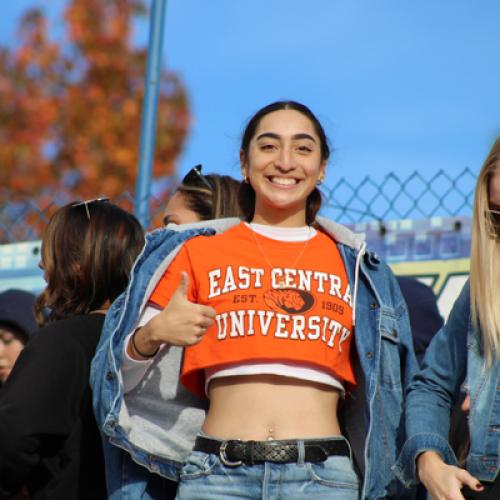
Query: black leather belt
point(235, 452)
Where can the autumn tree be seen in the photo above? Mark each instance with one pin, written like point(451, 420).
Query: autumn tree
point(70, 107)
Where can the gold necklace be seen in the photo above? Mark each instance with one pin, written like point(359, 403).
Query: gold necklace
point(281, 282)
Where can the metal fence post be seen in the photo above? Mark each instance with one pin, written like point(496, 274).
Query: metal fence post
point(149, 112)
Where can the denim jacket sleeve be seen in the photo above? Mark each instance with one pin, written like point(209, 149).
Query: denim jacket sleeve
point(410, 364)
point(121, 319)
point(433, 391)
point(374, 417)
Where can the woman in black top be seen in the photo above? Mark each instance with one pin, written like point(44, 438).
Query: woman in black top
point(49, 443)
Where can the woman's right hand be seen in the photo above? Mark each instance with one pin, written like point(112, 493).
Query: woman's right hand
point(181, 323)
point(443, 481)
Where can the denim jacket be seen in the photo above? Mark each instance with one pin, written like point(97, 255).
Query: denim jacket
point(156, 423)
point(454, 356)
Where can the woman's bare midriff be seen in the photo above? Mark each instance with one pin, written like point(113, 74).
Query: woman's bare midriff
point(260, 407)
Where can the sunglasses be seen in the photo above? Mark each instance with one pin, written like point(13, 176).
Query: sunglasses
point(194, 176)
point(494, 215)
point(494, 219)
point(86, 204)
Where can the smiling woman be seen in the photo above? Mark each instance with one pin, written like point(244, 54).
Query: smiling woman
point(265, 310)
point(291, 157)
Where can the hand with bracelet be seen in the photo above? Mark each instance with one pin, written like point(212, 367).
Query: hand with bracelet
point(181, 323)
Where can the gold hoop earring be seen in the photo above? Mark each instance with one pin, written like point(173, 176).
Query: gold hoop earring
point(245, 179)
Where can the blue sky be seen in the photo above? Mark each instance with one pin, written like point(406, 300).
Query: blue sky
point(399, 85)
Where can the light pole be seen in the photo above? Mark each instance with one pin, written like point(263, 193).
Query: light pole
point(149, 111)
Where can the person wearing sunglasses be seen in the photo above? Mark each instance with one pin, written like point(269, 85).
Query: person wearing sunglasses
point(258, 319)
point(202, 197)
point(50, 446)
point(465, 352)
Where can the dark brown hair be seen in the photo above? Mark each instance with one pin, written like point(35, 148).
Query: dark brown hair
point(219, 201)
point(246, 195)
point(87, 258)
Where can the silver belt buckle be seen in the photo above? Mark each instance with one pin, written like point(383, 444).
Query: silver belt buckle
point(223, 456)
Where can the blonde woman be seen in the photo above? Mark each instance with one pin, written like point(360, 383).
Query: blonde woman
point(465, 352)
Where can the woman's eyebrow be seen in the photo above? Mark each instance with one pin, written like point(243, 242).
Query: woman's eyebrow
point(295, 137)
point(270, 135)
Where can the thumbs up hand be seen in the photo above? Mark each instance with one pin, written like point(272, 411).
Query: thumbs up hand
point(181, 323)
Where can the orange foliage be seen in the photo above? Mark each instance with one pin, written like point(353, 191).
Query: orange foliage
point(70, 109)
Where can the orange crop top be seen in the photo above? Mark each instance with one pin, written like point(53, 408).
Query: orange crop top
point(302, 315)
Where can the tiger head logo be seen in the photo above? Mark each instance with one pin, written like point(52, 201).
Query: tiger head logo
point(289, 300)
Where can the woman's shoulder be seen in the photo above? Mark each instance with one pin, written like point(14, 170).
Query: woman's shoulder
point(74, 322)
point(82, 330)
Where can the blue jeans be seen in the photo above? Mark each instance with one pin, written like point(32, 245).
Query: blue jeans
point(205, 477)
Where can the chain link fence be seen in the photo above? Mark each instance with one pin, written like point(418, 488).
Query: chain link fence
point(26, 220)
point(394, 197)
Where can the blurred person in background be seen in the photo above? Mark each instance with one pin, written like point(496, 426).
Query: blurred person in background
point(425, 319)
point(463, 354)
point(17, 323)
point(50, 446)
point(203, 197)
